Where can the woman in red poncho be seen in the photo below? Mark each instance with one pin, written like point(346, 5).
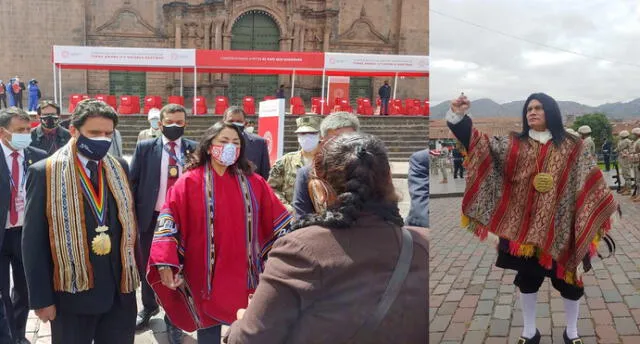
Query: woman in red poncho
point(213, 234)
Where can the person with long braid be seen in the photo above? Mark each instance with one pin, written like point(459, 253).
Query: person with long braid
point(324, 282)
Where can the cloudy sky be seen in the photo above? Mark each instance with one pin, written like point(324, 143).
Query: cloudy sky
point(507, 49)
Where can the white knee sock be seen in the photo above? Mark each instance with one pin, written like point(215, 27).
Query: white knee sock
point(571, 310)
point(528, 304)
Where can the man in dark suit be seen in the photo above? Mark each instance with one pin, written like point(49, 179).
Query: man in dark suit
point(256, 150)
point(79, 246)
point(418, 179)
point(155, 167)
point(49, 135)
point(17, 156)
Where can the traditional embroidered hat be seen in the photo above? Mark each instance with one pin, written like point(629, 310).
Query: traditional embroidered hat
point(635, 131)
point(585, 129)
point(624, 134)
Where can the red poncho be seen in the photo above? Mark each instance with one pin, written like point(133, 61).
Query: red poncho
point(563, 225)
point(217, 231)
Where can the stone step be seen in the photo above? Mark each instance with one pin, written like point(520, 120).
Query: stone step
point(402, 135)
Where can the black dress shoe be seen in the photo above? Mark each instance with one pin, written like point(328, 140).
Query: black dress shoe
point(568, 340)
point(175, 334)
point(142, 320)
point(534, 340)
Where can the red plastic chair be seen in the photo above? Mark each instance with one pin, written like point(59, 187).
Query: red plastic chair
point(297, 106)
point(321, 107)
point(129, 105)
point(395, 107)
point(109, 99)
point(175, 100)
point(364, 107)
point(413, 107)
point(74, 99)
point(151, 102)
point(222, 103)
point(344, 105)
point(249, 105)
point(201, 106)
point(269, 98)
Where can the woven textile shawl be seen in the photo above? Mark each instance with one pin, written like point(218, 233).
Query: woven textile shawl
point(72, 270)
point(563, 225)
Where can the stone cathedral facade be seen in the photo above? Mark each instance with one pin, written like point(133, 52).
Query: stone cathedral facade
point(358, 26)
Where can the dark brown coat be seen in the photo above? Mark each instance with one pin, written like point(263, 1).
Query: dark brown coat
point(320, 284)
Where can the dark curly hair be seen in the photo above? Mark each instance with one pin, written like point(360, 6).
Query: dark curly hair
point(354, 168)
point(201, 155)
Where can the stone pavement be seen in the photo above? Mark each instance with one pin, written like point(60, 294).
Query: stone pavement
point(473, 302)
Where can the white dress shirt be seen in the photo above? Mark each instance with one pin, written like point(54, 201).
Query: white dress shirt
point(21, 193)
point(164, 170)
point(84, 160)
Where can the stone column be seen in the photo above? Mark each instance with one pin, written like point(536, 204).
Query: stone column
point(178, 24)
point(327, 35)
point(226, 45)
point(301, 34)
point(296, 37)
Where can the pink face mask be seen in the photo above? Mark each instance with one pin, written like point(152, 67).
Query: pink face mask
point(226, 154)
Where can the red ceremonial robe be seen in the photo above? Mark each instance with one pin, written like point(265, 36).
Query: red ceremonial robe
point(241, 216)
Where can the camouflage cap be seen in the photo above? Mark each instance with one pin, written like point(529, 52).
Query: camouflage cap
point(308, 124)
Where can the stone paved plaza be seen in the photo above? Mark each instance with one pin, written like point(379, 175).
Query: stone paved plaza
point(473, 302)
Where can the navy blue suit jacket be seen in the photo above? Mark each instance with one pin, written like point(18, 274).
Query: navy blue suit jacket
point(31, 155)
point(257, 152)
point(418, 179)
point(301, 199)
point(145, 176)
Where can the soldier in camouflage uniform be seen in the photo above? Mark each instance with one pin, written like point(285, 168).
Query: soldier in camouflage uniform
point(624, 149)
point(585, 133)
point(635, 150)
point(282, 177)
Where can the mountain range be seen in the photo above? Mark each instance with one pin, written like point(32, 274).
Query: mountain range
point(485, 107)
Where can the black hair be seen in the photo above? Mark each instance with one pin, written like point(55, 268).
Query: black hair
point(171, 108)
point(552, 117)
point(201, 155)
point(7, 114)
point(354, 167)
point(90, 108)
point(46, 103)
point(233, 110)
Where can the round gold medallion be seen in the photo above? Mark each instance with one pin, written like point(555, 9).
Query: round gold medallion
point(101, 244)
point(543, 182)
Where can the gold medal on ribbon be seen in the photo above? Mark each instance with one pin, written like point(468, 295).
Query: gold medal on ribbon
point(173, 171)
point(543, 182)
point(101, 244)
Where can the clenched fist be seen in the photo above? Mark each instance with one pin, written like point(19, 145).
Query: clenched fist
point(461, 105)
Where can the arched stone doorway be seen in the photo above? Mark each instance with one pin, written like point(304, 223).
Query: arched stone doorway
point(253, 30)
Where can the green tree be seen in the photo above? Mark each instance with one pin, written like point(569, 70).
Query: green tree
point(600, 127)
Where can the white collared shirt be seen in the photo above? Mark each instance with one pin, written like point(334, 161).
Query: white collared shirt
point(9, 159)
point(540, 136)
point(164, 169)
point(84, 160)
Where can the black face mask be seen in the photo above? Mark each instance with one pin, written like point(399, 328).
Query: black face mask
point(173, 132)
point(49, 122)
